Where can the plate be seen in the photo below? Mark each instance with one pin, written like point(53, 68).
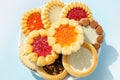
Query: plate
point(21, 40)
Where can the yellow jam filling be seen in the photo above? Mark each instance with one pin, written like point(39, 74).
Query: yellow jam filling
point(65, 35)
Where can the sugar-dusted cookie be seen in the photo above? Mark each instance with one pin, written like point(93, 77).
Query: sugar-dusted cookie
point(37, 49)
point(76, 11)
point(51, 12)
point(65, 36)
point(81, 63)
point(31, 20)
point(53, 71)
point(24, 59)
point(93, 32)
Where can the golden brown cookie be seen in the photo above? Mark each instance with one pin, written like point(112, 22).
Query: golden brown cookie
point(93, 32)
point(24, 59)
point(37, 48)
point(76, 11)
point(65, 36)
point(93, 23)
point(83, 62)
point(54, 71)
point(31, 20)
point(51, 12)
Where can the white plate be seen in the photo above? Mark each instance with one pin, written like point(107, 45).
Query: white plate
point(21, 39)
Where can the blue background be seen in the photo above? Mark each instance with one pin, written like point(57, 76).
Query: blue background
point(106, 12)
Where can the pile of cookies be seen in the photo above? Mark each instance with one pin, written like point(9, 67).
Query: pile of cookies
point(60, 39)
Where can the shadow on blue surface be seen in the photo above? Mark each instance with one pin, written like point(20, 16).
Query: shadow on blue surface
point(108, 56)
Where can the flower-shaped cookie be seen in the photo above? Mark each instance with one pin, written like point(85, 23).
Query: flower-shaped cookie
point(51, 12)
point(24, 59)
point(37, 49)
point(76, 11)
point(65, 36)
point(93, 32)
point(31, 20)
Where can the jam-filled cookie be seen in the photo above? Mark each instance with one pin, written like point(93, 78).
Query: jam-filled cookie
point(51, 12)
point(24, 59)
point(76, 11)
point(31, 20)
point(93, 32)
point(53, 71)
point(37, 49)
point(65, 36)
point(81, 63)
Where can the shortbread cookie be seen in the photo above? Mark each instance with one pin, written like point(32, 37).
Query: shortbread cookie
point(54, 71)
point(76, 11)
point(24, 59)
point(81, 63)
point(65, 36)
point(31, 20)
point(93, 32)
point(51, 12)
point(37, 48)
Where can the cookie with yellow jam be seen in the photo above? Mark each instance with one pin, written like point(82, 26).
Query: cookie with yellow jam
point(65, 36)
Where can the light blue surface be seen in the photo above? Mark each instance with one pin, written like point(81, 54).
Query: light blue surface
point(106, 12)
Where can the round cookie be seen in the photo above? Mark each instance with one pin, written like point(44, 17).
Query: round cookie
point(81, 63)
point(76, 11)
point(37, 49)
point(24, 59)
point(93, 32)
point(31, 20)
point(53, 71)
point(65, 36)
point(51, 12)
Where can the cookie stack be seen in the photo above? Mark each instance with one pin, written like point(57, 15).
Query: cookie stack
point(60, 39)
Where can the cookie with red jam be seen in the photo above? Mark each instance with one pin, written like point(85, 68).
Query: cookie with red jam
point(31, 20)
point(37, 48)
point(76, 11)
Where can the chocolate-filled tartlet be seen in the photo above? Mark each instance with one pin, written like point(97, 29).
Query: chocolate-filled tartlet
point(54, 71)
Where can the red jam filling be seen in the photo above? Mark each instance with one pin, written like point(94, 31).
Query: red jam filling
point(41, 46)
point(77, 14)
point(34, 21)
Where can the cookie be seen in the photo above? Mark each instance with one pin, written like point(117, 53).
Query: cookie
point(83, 62)
point(37, 49)
point(24, 59)
point(65, 36)
point(76, 11)
point(54, 71)
point(93, 32)
point(31, 20)
point(51, 12)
